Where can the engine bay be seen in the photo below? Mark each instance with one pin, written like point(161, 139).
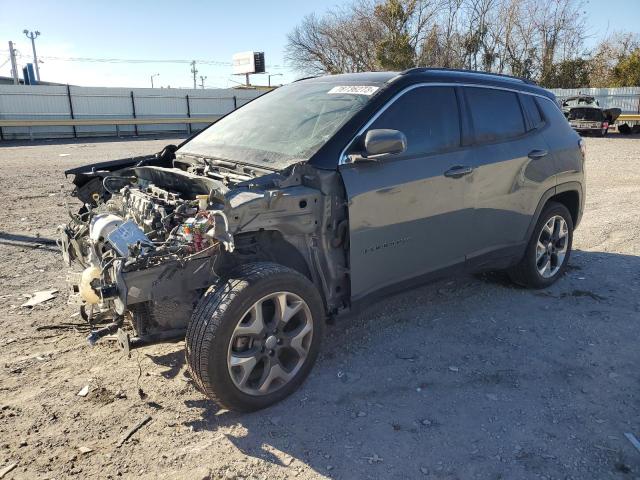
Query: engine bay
point(151, 238)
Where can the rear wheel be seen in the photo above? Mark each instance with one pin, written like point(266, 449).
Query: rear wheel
point(254, 336)
point(548, 250)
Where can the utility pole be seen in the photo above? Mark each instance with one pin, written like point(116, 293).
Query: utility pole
point(154, 75)
point(202, 79)
point(194, 71)
point(14, 64)
point(33, 36)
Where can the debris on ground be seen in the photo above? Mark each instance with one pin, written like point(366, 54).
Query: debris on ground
point(40, 297)
point(634, 441)
point(85, 449)
point(406, 355)
point(84, 391)
point(7, 469)
point(133, 430)
point(374, 459)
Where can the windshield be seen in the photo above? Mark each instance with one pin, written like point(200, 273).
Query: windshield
point(283, 127)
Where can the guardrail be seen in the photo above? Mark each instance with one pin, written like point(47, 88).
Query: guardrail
point(117, 122)
point(629, 117)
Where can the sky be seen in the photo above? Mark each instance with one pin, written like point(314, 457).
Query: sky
point(185, 30)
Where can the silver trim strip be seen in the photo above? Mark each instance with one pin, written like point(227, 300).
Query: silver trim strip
point(343, 154)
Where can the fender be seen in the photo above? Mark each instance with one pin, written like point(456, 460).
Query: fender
point(552, 192)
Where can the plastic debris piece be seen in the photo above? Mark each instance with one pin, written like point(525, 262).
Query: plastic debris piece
point(40, 297)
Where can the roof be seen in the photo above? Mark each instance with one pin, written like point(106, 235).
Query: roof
point(427, 75)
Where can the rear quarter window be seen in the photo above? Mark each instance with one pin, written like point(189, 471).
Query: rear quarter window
point(496, 114)
point(533, 112)
point(552, 113)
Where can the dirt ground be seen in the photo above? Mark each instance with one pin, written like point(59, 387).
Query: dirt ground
point(465, 378)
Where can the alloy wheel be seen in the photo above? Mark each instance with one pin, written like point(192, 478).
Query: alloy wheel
point(270, 343)
point(552, 245)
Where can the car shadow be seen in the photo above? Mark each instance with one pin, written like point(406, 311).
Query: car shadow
point(26, 241)
point(440, 378)
point(174, 361)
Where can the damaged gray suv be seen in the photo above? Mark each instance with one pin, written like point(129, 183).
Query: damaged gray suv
point(312, 199)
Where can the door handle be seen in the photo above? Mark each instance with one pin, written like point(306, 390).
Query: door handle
point(536, 154)
point(458, 171)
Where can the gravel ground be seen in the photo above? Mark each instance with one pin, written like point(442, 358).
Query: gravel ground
point(465, 378)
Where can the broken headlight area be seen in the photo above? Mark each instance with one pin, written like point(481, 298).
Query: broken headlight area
point(147, 254)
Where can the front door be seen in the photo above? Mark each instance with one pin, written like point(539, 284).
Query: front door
point(408, 213)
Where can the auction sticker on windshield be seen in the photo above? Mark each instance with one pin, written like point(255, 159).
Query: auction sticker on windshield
point(354, 89)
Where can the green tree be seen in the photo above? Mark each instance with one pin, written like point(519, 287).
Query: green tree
point(627, 72)
point(395, 51)
point(567, 74)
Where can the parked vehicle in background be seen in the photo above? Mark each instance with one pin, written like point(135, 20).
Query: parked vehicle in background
point(586, 116)
point(316, 198)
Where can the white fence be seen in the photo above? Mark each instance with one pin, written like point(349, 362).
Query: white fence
point(28, 102)
point(625, 98)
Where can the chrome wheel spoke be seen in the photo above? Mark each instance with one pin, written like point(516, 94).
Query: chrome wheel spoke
point(547, 230)
point(297, 341)
point(541, 249)
point(286, 308)
point(273, 371)
point(242, 367)
point(255, 325)
point(545, 267)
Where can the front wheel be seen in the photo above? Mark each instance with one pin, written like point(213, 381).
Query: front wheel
point(548, 250)
point(255, 336)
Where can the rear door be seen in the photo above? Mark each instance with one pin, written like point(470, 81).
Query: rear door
point(512, 168)
point(406, 216)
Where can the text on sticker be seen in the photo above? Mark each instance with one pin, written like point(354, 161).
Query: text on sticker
point(354, 89)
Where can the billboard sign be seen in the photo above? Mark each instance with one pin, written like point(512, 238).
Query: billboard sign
point(248, 62)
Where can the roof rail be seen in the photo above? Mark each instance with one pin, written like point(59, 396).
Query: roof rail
point(305, 78)
point(457, 70)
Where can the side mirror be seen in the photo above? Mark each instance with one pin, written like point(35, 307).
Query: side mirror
point(384, 142)
point(380, 142)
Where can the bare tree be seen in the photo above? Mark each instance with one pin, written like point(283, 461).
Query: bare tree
point(607, 54)
point(521, 37)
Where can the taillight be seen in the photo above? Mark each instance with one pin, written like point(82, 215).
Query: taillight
point(583, 149)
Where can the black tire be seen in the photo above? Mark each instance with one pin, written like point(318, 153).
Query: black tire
point(526, 273)
point(603, 132)
point(218, 314)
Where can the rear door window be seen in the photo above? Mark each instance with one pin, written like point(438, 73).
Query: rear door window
point(429, 118)
point(496, 114)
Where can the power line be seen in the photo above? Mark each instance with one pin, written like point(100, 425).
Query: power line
point(219, 63)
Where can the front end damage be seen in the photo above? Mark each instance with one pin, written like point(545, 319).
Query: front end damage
point(147, 246)
point(145, 252)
